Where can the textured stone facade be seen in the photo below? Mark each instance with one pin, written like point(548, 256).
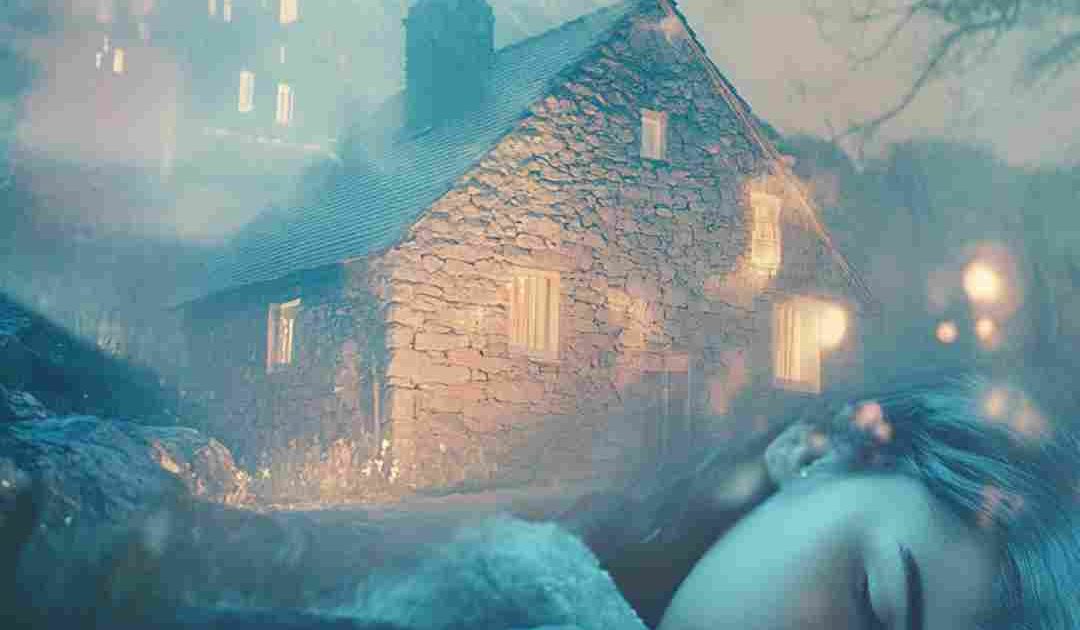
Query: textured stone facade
point(654, 276)
point(409, 353)
point(307, 430)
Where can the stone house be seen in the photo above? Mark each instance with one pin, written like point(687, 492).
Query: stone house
point(589, 256)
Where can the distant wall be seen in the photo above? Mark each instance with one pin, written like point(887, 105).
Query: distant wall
point(307, 431)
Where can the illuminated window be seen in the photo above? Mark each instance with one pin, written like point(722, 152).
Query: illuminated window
point(118, 61)
point(247, 91)
point(765, 243)
point(97, 60)
point(803, 329)
point(290, 11)
point(280, 333)
point(211, 8)
point(226, 10)
point(653, 134)
point(284, 104)
point(534, 313)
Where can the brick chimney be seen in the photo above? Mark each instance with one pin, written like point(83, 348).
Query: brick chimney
point(449, 48)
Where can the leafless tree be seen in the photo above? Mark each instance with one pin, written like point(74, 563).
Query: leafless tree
point(967, 30)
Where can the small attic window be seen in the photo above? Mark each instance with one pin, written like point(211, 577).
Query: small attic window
point(280, 333)
point(654, 126)
point(765, 239)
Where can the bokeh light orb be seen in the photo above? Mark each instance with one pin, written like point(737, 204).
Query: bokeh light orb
point(832, 325)
point(985, 329)
point(982, 283)
point(947, 332)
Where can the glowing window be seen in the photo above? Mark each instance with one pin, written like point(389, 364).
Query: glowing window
point(534, 313)
point(226, 10)
point(97, 60)
point(765, 243)
point(284, 104)
point(118, 61)
point(246, 101)
point(280, 333)
point(653, 134)
point(211, 8)
point(803, 330)
point(290, 11)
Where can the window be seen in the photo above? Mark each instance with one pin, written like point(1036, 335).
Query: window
point(247, 91)
point(280, 333)
point(765, 243)
point(653, 134)
point(290, 11)
point(226, 10)
point(803, 330)
point(284, 104)
point(281, 54)
point(534, 313)
point(118, 61)
point(211, 8)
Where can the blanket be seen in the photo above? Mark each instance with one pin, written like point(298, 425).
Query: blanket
point(505, 574)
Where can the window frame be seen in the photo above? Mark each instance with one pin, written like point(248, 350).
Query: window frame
point(246, 97)
point(278, 357)
point(658, 120)
point(283, 116)
point(522, 328)
point(288, 11)
point(766, 250)
point(119, 61)
point(788, 331)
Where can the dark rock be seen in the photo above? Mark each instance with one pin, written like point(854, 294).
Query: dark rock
point(16, 406)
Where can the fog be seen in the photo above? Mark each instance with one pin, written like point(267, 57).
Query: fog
point(141, 155)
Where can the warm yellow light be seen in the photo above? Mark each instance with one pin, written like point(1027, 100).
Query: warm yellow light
point(832, 326)
point(947, 332)
point(985, 328)
point(982, 283)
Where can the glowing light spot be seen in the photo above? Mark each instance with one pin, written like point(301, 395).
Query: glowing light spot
point(832, 325)
point(985, 329)
point(996, 403)
point(982, 283)
point(819, 442)
point(947, 332)
point(868, 415)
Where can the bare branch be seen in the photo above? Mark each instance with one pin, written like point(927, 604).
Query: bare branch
point(1052, 62)
point(946, 45)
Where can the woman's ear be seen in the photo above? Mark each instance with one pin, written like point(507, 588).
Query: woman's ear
point(803, 450)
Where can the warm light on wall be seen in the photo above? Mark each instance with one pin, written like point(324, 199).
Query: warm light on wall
point(982, 283)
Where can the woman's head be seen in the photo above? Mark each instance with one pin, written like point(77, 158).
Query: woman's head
point(950, 505)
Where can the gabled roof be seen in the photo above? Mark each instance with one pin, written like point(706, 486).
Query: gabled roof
point(370, 206)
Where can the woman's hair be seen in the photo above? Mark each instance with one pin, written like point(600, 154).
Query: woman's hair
point(985, 450)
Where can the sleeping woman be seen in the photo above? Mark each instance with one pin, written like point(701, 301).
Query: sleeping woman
point(948, 506)
point(945, 506)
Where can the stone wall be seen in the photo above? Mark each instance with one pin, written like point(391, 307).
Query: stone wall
point(306, 431)
point(653, 267)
